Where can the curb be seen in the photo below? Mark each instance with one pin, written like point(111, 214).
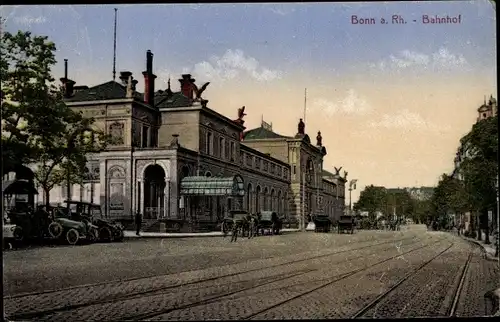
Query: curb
point(485, 253)
point(185, 235)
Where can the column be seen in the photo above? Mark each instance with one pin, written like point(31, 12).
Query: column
point(166, 202)
point(141, 197)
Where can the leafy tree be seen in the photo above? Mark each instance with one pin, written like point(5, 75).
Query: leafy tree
point(400, 201)
point(27, 96)
point(372, 199)
point(480, 168)
point(38, 127)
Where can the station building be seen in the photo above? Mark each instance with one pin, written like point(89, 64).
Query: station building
point(174, 157)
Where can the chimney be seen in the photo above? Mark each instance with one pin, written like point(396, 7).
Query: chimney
point(134, 84)
point(67, 83)
point(149, 80)
point(187, 85)
point(124, 77)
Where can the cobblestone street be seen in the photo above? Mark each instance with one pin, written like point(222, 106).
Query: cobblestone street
point(296, 275)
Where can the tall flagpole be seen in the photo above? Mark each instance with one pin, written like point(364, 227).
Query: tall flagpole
point(305, 103)
point(114, 48)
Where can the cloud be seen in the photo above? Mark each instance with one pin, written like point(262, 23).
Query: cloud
point(282, 10)
point(29, 20)
point(442, 59)
point(233, 64)
point(407, 120)
point(352, 103)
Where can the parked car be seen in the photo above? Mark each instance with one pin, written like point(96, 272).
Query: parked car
point(91, 214)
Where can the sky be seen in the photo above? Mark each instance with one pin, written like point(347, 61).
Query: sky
point(392, 100)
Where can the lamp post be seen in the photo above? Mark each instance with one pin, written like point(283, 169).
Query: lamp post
point(352, 186)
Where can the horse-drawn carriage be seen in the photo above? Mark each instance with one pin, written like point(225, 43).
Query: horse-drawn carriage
point(322, 223)
point(345, 225)
point(269, 220)
point(236, 221)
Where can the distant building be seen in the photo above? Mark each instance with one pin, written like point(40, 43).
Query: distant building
point(487, 110)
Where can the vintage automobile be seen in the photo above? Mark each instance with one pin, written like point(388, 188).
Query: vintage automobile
point(71, 231)
point(322, 223)
point(269, 220)
point(91, 214)
point(345, 225)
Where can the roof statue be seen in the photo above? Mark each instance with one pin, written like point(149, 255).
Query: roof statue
point(301, 127)
point(241, 115)
point(200, 91)
point(337, 170)
point(345, 175)
point(319, 139)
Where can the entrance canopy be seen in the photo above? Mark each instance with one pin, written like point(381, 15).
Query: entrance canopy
point(213, 186)
point(19, 187)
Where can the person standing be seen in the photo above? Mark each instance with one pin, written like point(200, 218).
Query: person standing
point(138, 222)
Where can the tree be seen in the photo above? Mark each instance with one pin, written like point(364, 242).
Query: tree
point(449, 195)
point(27, 96)
point(64, 160)
point(480, 169)
point(372, 199)
point(38, 127)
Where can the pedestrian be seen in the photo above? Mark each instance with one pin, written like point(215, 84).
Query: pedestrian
point(234, 230)
point(138, 222)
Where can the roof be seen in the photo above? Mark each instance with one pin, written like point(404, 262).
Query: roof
point(211, 186)
point(105, 91)
point(168, 99)
point(115, 90)
point(18, 187)
point(262, 133)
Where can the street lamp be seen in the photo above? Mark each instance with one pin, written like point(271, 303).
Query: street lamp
point(352, 186)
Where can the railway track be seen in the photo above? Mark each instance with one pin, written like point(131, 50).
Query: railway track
point(329, 281)
point(243, 286)
point(457, 292)
point(339, 278)
point(204, 280)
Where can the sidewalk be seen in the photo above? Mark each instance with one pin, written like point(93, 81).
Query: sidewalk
point(489, 249)
point(131, 234)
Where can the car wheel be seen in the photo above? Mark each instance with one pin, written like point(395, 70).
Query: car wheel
point(177, 227)
point(72, 236)
point(55, 230)
point(18, 234)
point(105, 234)
point(120, 236)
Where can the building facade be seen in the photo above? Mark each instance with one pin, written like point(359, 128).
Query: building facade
point(174, 157)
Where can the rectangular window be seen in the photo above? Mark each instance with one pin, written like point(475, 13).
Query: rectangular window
point(209, 143)
point(221, 148)
point(294, 169)
point(154, 137)
point(145, 134)
point(232, 151)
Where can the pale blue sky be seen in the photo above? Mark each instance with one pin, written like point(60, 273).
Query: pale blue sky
point(310, 37)
point(392, 101)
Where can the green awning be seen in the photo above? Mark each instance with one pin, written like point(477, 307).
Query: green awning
point(212, 186)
